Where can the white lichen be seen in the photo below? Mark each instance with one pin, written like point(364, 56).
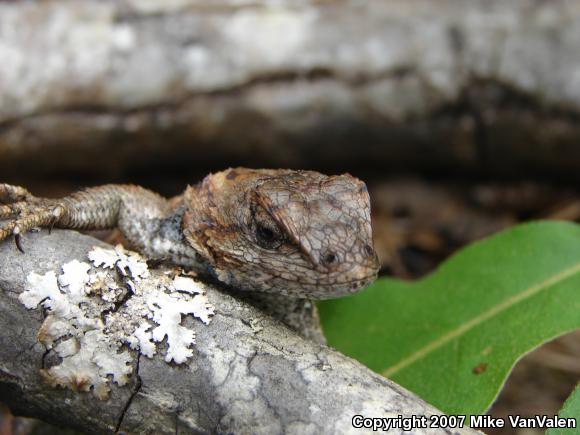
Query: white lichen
point(86, 362)
point(167, 310)
point(75, 276)
point(103, 257)
point(127, 263)
point(184, 284)
point(45, 290)
point(142, 340)
point(137, 312)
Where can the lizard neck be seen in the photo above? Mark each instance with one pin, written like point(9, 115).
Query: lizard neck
point(169, 243)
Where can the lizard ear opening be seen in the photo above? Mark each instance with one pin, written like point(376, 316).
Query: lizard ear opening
point(195, 220)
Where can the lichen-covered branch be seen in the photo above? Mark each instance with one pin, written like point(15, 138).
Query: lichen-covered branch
point(452, 84)
point(247, 373)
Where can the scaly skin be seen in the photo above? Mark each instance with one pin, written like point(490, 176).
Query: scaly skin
point(294, 233)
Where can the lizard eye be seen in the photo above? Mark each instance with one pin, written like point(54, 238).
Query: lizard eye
point(268, 237)
point(267, 232)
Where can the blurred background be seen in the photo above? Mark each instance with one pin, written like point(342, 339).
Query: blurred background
point(461, 116)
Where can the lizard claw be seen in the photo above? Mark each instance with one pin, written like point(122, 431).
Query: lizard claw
point(18, 241)
point(26, 215)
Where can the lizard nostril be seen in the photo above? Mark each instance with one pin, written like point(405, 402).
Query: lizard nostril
point(329, 258)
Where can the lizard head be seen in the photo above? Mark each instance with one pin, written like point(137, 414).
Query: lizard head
point(298, 233)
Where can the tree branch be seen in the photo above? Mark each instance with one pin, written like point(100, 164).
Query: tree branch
point(242, 378)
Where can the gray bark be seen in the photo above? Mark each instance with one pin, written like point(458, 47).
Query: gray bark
point(242, 379)
point(481, 86)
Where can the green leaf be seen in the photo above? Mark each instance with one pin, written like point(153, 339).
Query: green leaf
point(571, 409)
point(454, 336)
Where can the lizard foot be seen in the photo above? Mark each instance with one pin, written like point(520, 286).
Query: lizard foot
point(10, 193)
point(23, 212)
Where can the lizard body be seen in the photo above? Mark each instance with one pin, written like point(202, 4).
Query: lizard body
point(295, 233)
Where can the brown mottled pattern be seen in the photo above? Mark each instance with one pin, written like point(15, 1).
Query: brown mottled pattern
point(296, 233)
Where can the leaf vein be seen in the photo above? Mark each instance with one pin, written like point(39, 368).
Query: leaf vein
point(486, 315)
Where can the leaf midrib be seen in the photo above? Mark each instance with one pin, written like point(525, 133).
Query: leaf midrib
point(484, 316)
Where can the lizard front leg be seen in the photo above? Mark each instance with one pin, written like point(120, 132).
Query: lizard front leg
point(148, 221)
point(26, 211)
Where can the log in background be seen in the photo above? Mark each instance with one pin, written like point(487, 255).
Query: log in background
point(484, 87)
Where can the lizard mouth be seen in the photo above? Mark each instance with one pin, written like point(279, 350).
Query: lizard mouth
point(361, 282)
point(363, 279)
point(337, 288)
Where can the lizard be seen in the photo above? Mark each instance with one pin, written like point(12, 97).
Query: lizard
point(288, 233)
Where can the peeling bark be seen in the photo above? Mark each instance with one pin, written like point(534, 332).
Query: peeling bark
point(480, 87)
point(249, 374)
